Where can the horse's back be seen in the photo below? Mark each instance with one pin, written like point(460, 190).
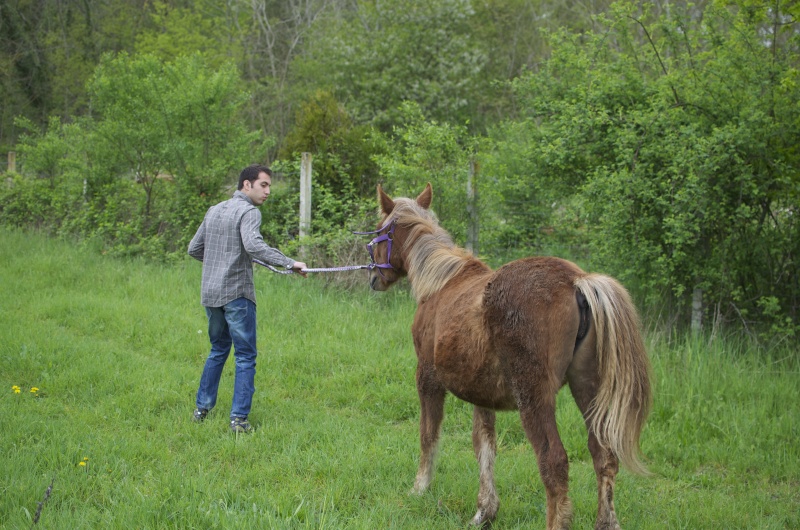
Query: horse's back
point(534, 282)
point(532, 312)
point(486, 326)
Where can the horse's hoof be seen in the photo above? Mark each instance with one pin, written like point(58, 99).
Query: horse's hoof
point(481, 519)
point(420, 486)
point(418, 490)
point(607, 525)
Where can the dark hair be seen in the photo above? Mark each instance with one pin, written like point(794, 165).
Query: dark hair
point(251, 173)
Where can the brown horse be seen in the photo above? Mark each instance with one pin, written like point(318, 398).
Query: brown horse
point(510, 339)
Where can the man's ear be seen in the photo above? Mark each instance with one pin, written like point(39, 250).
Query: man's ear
point(386, 202)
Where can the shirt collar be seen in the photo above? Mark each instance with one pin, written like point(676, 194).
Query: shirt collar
point(239, 194)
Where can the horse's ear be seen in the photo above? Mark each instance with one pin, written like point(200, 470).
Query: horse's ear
point(386, 202)
point(426, 197)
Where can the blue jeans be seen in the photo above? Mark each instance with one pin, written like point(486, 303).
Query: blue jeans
point(232, 324)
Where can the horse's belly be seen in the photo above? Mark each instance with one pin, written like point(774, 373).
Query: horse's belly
point(489, 394)
point(472, 373)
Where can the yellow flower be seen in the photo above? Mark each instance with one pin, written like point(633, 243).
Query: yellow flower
point(16, 389)
point(85, 458)
point(34, 389)
point(81, 463)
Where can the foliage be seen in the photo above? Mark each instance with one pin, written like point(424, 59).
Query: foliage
point(342, 151)
point(274, 35)
point(161, 122)
point(49, 49)
point(49, 193)
point(423, 151)
point(381, 54)
point(336, 213)
point(445, 54)
point(678, 145)
point(526, 202)
point(179, 30)
point(168, 133)
point(23, 206)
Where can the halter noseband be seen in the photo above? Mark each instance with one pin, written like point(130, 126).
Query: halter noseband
point(388, 236)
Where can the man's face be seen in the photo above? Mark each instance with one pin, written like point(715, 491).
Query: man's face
point(258, 191)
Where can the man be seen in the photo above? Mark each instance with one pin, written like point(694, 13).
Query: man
point(227, 241)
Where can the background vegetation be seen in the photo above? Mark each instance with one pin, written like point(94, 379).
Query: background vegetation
point(106, 352)
point(656, 141)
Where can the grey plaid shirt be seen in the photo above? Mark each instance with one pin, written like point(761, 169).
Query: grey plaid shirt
point(226, 242)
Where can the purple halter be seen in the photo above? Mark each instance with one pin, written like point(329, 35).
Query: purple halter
point(388, 236)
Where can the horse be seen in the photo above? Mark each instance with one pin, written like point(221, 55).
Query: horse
point(509, 339)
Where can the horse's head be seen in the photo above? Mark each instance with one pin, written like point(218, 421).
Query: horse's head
point(388, 250)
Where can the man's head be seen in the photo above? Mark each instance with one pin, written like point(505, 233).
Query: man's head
point(255, 181)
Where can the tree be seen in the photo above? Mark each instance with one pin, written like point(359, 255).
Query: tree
point(343, 151)
point(675, 138)
point(422, 151)
point(48, 51)
point(273, 36)
point(203, 27)
point(24, 78)
point(178, 121)
point(379, 54)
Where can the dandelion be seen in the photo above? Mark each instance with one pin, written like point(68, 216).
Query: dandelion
point(15, 389)
point(34, 390)
point(82, 463)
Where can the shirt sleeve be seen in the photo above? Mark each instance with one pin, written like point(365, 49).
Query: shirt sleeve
point(197, 244)
point(254, 243)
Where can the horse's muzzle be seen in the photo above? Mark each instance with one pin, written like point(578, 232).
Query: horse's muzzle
point(376, 284)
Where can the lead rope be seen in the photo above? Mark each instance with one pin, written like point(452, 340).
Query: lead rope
point(385, 237)
point(327, 269)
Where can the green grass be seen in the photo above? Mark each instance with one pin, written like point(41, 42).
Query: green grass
point(116, 348)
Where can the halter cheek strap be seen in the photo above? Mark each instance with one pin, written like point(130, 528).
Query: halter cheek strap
point(389, 237)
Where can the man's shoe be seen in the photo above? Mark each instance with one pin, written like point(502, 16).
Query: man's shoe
point(240, 425)
point(199, 415)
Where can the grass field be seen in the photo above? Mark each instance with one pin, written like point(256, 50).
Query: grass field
point(114, 349)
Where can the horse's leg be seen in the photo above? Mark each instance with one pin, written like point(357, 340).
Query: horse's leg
point(584, 381)
point(431, 400)
point(605, 467)
point(538, 413)
point(484, 442)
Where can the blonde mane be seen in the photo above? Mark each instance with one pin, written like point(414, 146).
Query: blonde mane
point(432, 258)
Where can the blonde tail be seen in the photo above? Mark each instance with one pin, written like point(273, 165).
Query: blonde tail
point(623, 400)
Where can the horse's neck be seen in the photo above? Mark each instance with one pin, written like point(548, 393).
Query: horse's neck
point(432, 264)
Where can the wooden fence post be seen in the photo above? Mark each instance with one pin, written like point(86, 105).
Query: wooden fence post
point(12, 161)
point(697, 310)
point(472, 207)
point(305, 195)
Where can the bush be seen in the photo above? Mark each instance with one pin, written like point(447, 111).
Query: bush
point(657, 133)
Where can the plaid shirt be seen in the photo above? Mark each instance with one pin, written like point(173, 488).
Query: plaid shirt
point(226, 242)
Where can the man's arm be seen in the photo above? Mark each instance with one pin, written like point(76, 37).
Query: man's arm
point(197, 244)
point(254, 244)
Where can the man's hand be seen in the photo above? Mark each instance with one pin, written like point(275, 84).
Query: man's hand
point(298, 268)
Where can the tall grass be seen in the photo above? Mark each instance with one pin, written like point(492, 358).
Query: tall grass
point(116, 347)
